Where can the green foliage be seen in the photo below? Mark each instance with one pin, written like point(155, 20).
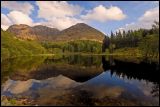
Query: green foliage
point(150, 43)
point(12, 47)
point(150, 46)
point(140, 42)
point(5, 53)
point(111, 48)
point(106, 43)
point(85, 46)
point(133, 38)
point(126, 39)
point(128, 51)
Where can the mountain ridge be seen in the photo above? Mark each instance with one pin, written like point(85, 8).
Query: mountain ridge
point(79, 31)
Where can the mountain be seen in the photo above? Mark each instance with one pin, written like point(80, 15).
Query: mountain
point(79, 31)
point(38, 32)
point(21, 31)
point(44, 31)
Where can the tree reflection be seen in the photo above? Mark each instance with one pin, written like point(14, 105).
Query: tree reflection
point(130, 70)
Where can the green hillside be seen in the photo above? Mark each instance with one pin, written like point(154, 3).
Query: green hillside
point(12, 47)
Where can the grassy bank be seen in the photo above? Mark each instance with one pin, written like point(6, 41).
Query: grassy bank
point(132, 54)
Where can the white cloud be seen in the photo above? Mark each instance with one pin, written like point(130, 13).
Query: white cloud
point(4, 27)
point(150, 15)
point(51, 9)
point(21, 19)
point(59, 15)
point(102, 14)
point(145, 21)
point(62, 23)
point(5, 22)
point(24, 7)
point(11, 18)
point(19, 13)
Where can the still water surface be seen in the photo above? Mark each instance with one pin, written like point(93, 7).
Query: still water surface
point(80, 80)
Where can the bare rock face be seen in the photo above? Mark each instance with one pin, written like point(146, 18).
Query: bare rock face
point(79, 31)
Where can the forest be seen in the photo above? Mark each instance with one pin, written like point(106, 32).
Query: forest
point(146, 41)
point(83, 46)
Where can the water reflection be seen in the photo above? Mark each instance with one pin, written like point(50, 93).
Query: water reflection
point(131, 70)
point(81, 80)
point(78, 70)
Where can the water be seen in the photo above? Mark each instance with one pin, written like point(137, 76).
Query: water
point(80, 80)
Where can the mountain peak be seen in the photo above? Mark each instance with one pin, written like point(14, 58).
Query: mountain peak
point(17, 28)
point(19, 25)
point(81, 31)
point(82, 24)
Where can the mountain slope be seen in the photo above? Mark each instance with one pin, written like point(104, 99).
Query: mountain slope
point(79, 31)
point(12, 47)
point(33, 33)
point(21, 31)
point(43, 32)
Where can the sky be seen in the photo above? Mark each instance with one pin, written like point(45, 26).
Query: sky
point(105, 16)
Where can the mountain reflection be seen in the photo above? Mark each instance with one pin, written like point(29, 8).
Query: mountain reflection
point(77, 67)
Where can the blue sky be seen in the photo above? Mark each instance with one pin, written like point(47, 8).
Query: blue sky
point(102, 15)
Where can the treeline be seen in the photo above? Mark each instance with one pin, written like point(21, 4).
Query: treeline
point(85, 46)
point(146, 40)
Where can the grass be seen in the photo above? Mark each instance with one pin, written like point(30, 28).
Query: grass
point(131, 54)
point(128, 51)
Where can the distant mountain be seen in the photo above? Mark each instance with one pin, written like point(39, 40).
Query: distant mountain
point(33, 33)
point(44, 31)
point(79, 31)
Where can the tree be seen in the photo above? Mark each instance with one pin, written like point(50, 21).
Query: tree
point(106, 43)
point(150, 43)
point(112, 37)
